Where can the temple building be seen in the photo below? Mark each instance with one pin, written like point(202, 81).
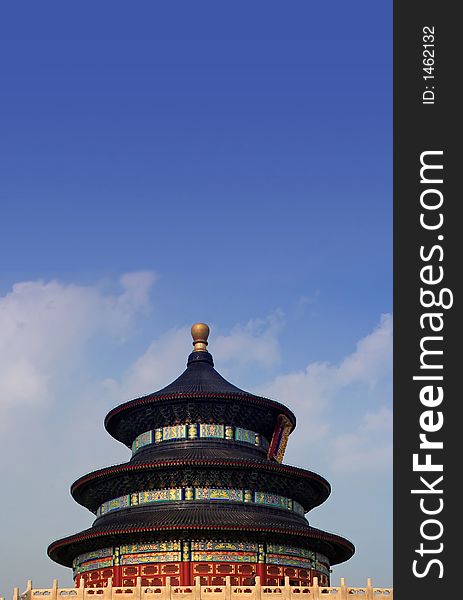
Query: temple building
point(205, 493)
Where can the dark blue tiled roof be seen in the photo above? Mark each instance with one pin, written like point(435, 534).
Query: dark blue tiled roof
point(200, 377)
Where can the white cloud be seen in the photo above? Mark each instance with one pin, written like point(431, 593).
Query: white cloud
point(369, 448)
point(161, 363)
point(21, 383)
point(372, 358)
point(116, 312)
point(317, 391)
point(255, 342)
point(45, 325)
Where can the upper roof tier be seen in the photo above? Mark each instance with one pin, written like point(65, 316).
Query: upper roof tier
point(199, 394)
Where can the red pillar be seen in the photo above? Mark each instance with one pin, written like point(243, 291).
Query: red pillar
point(185, 573)
point(117, 578)
point(260, 571)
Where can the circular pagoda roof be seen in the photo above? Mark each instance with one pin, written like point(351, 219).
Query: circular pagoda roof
point(220, 522)
point(199, 393)
point(306, 487)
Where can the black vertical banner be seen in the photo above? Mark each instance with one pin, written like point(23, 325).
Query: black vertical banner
point(428, 258)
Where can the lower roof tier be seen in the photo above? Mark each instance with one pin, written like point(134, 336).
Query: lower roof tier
point(305, 487)
point(216, 522)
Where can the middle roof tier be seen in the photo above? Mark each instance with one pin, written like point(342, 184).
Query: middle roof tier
point(257, 474)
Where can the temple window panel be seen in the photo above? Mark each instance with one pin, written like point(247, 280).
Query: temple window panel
point(151, 557)
point(290, 550)
point(194, 494)
point(204, 431)
point(235, 557)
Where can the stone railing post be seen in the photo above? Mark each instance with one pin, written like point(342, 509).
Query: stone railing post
point(227, 587)
point(29, 589)
point(343, 589)
point(315, 589)
point(138, 592)
point(80, 589)
point(15, 593)
point(257, 589)
point(54, 590)
point(287, 589)
point(197, 588)
point(369, 590)
point(168, 589)
point(108, 590)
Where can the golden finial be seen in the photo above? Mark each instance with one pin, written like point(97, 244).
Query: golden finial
point(200, 333)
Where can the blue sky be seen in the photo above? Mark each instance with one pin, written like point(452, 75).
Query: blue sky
point(167, 163)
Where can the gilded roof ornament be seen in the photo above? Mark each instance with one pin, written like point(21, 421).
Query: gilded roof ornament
point(200, 333)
